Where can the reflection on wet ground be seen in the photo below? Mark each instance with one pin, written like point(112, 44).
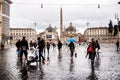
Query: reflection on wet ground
point(59, 66)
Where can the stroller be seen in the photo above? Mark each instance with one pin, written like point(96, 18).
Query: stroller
point(32, 55)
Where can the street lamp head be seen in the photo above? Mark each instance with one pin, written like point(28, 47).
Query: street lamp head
point(118, 2)
point(98, 5)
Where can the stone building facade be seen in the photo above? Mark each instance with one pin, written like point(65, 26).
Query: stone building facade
point(50, 34)
point(100, 33)
point(70, 32)
point(18, 33)
point(4, 18)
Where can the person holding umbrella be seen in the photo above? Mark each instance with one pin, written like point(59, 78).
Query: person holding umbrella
point(72, 49)
point(71, 40)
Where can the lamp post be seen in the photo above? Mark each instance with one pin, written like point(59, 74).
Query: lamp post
point(0, 31)
point(118, 25)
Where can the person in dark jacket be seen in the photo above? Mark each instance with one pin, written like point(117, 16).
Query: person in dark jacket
point(18, 44)
point(117, 45)
point(31, 44)
point(41, 46)
point(94, 46)
point(54, 45)
point(89, 50)
point(59, 45)
point(72, 49)
point(24, 48)
point(93, 53)
point(48, 48)
point(97, 48)
point(97, 45)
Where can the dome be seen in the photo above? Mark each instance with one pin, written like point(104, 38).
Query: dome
point(50, 29)
point(71, 28)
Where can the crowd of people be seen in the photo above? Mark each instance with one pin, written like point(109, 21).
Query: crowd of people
point(41, 45)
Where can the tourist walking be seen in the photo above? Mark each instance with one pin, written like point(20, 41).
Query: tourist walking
point(117, 45)
point(18, 44)
point(91, 51)
point(59, 46)
point(2, 45)
point(54, 45)
point(41, 46)
point(72, 49)
point(24, 48)
point(44, 49)
point(97, 45)
point(97, 48)
point(31, 44)
point(48, 48)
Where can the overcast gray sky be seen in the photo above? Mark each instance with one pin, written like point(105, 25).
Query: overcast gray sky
point(24, 13)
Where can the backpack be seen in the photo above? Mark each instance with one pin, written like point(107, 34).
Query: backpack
point(90, 49)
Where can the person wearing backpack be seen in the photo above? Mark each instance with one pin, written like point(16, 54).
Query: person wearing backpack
point(24, 48)
point(41, 46)
point(91, 50)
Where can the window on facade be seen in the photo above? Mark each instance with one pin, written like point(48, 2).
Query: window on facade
point(48, 36)
point(102, 31)
point(87, 33)
point(44, 37)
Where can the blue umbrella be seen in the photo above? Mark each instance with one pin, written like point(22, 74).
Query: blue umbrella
point(71, 40)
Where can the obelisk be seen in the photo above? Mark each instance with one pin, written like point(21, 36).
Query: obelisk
point(61, 23)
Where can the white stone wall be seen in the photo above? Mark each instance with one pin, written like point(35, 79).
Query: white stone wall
point(98, 33)
point(30, 34)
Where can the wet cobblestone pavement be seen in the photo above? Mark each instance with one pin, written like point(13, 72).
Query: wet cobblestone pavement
point(59, 66)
